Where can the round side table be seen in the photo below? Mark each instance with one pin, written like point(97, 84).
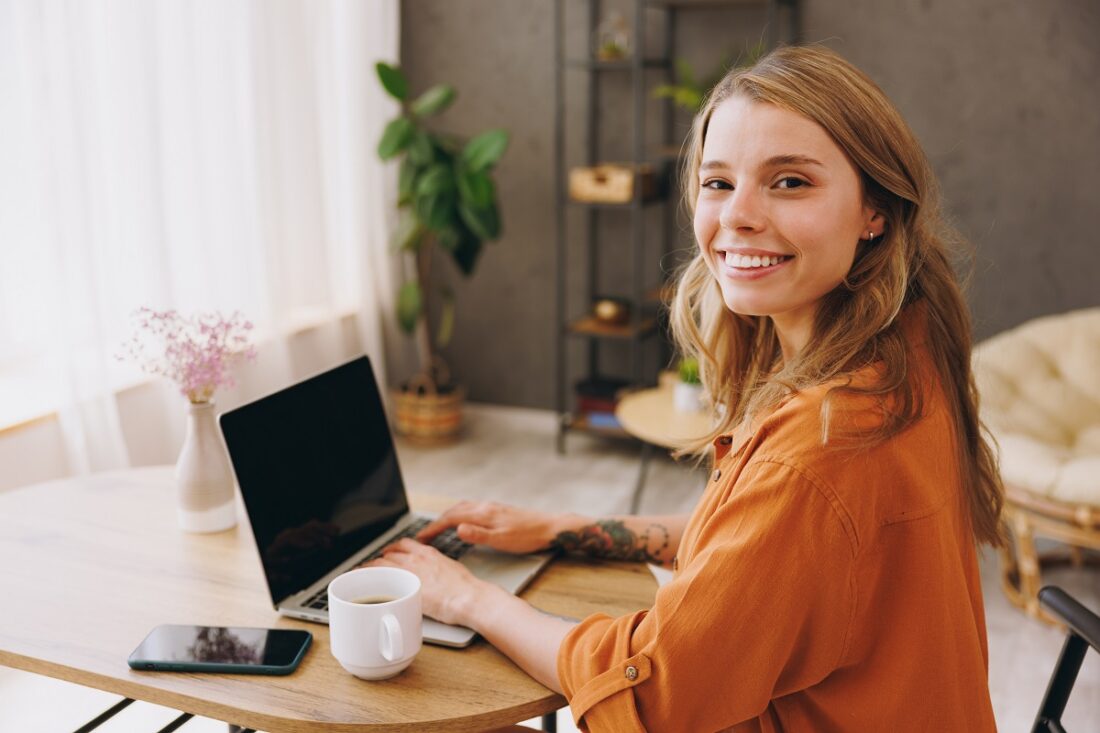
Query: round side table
point(649, 415)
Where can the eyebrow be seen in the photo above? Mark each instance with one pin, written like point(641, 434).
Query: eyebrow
point(772, 162)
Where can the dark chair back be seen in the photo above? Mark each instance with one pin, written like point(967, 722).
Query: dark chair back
point(1083, 631)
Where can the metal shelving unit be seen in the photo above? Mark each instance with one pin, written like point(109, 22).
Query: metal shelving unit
point(645, 277)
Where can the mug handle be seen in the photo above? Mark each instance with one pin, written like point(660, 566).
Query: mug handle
point(391, 642)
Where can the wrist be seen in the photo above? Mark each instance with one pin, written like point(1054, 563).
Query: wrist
point(562, 523)
point(471, 607)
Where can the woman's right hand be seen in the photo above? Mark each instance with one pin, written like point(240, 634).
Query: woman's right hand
point(499, 526)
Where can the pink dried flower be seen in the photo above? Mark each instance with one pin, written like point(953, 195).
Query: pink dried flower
point(195, 352)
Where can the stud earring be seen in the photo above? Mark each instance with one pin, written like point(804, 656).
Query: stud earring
point(870, 236)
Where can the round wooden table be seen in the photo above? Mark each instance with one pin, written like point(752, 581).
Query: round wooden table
point(93, 563)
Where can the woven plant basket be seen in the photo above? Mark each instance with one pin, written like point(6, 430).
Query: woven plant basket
point(424, 414)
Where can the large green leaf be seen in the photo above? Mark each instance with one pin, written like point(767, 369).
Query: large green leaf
point(434, 100)
point(465, 254)
point(475, 188)
point(421, 152)
point(485, 150)
point(483, 221)
point(395, 138)
point(409, 306)
point(436, 211)
point(435, 180)
point(405, 182)
point(446, 318)
point(393, 81)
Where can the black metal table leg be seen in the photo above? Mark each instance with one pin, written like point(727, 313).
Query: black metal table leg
point(183, 718)
point(104, 716)
point(550, 722)
point(636, 500)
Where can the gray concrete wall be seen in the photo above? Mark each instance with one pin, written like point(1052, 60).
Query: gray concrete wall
point(1003, 95)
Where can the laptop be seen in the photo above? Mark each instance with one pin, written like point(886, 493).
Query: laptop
point(318, 473)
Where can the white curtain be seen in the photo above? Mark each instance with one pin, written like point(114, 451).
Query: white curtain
point(197, 155)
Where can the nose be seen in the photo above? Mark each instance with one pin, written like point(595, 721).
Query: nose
point(742, 211)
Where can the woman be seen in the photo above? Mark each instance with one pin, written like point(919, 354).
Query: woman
point(828, 578)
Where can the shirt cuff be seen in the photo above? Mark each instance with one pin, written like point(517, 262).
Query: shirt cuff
point(612, 693)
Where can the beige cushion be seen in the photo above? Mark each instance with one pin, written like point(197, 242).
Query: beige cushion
point(1040, 392)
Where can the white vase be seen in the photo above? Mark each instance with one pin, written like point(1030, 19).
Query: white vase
point(687, 397)
point(204, 476)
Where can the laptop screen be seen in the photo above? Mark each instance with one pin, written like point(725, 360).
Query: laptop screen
point(318, 473)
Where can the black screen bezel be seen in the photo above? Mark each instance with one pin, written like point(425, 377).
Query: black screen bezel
point(349, 392)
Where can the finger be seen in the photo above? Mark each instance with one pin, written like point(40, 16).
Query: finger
point(394, 549)
point(474, 534)
point(407, 546)
point(433, 529)
point(463, 512)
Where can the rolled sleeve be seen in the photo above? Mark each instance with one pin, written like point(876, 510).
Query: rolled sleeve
point(595, 664)
point(764, 608)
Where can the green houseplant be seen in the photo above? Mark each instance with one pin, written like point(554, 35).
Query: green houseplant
point(688, 92)
point(448, 205)
point(687, 392)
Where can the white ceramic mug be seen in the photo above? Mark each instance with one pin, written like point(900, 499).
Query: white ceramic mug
point(375, 640)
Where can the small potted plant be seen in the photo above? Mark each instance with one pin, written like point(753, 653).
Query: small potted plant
point(687, 392)
point(688, 93)
point(448, 204)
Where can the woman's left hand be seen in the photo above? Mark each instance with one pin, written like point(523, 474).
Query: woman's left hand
point(447, 587)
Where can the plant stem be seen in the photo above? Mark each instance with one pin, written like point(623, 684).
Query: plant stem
point(423, 327)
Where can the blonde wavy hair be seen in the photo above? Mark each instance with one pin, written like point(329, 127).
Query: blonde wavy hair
point(740, 360)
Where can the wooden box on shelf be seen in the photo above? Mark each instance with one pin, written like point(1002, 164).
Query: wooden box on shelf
point(612, 184)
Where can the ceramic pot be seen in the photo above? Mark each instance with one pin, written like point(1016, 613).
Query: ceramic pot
point(204, 476)
point(687, 397)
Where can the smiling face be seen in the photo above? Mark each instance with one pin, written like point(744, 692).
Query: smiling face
point(779, 215)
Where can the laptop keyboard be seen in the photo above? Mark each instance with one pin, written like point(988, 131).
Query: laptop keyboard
point(446, 542)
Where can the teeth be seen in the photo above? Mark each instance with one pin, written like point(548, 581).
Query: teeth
point(745, 262)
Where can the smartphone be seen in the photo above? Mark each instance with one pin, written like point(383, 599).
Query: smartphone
point(229, 650)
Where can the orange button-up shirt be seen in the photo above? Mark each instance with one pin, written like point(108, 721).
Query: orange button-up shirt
point(818, 589)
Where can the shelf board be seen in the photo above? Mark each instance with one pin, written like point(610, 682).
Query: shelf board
point(702, 3)
point(620, 65)
point(571, 421)
point(627, 206)
point(590, 326)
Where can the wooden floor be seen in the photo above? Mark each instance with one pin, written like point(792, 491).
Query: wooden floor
point(507, 454)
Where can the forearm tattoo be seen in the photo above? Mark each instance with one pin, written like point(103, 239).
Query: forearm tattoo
point(611, 539)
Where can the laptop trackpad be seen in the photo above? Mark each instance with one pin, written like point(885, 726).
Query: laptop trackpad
point(510, 572)
point(446, 635)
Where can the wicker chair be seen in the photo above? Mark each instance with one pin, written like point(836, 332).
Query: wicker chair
point(1040, 391)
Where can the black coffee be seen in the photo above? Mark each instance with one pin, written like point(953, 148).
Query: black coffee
point(370, 600)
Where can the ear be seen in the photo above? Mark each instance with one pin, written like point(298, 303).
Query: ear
point(874, 223)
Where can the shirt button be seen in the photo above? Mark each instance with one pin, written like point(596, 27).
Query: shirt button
point(632, 673)
point(716, 475)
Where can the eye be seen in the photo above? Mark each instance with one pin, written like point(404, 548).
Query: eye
point(717, 184)
point(790, 182)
